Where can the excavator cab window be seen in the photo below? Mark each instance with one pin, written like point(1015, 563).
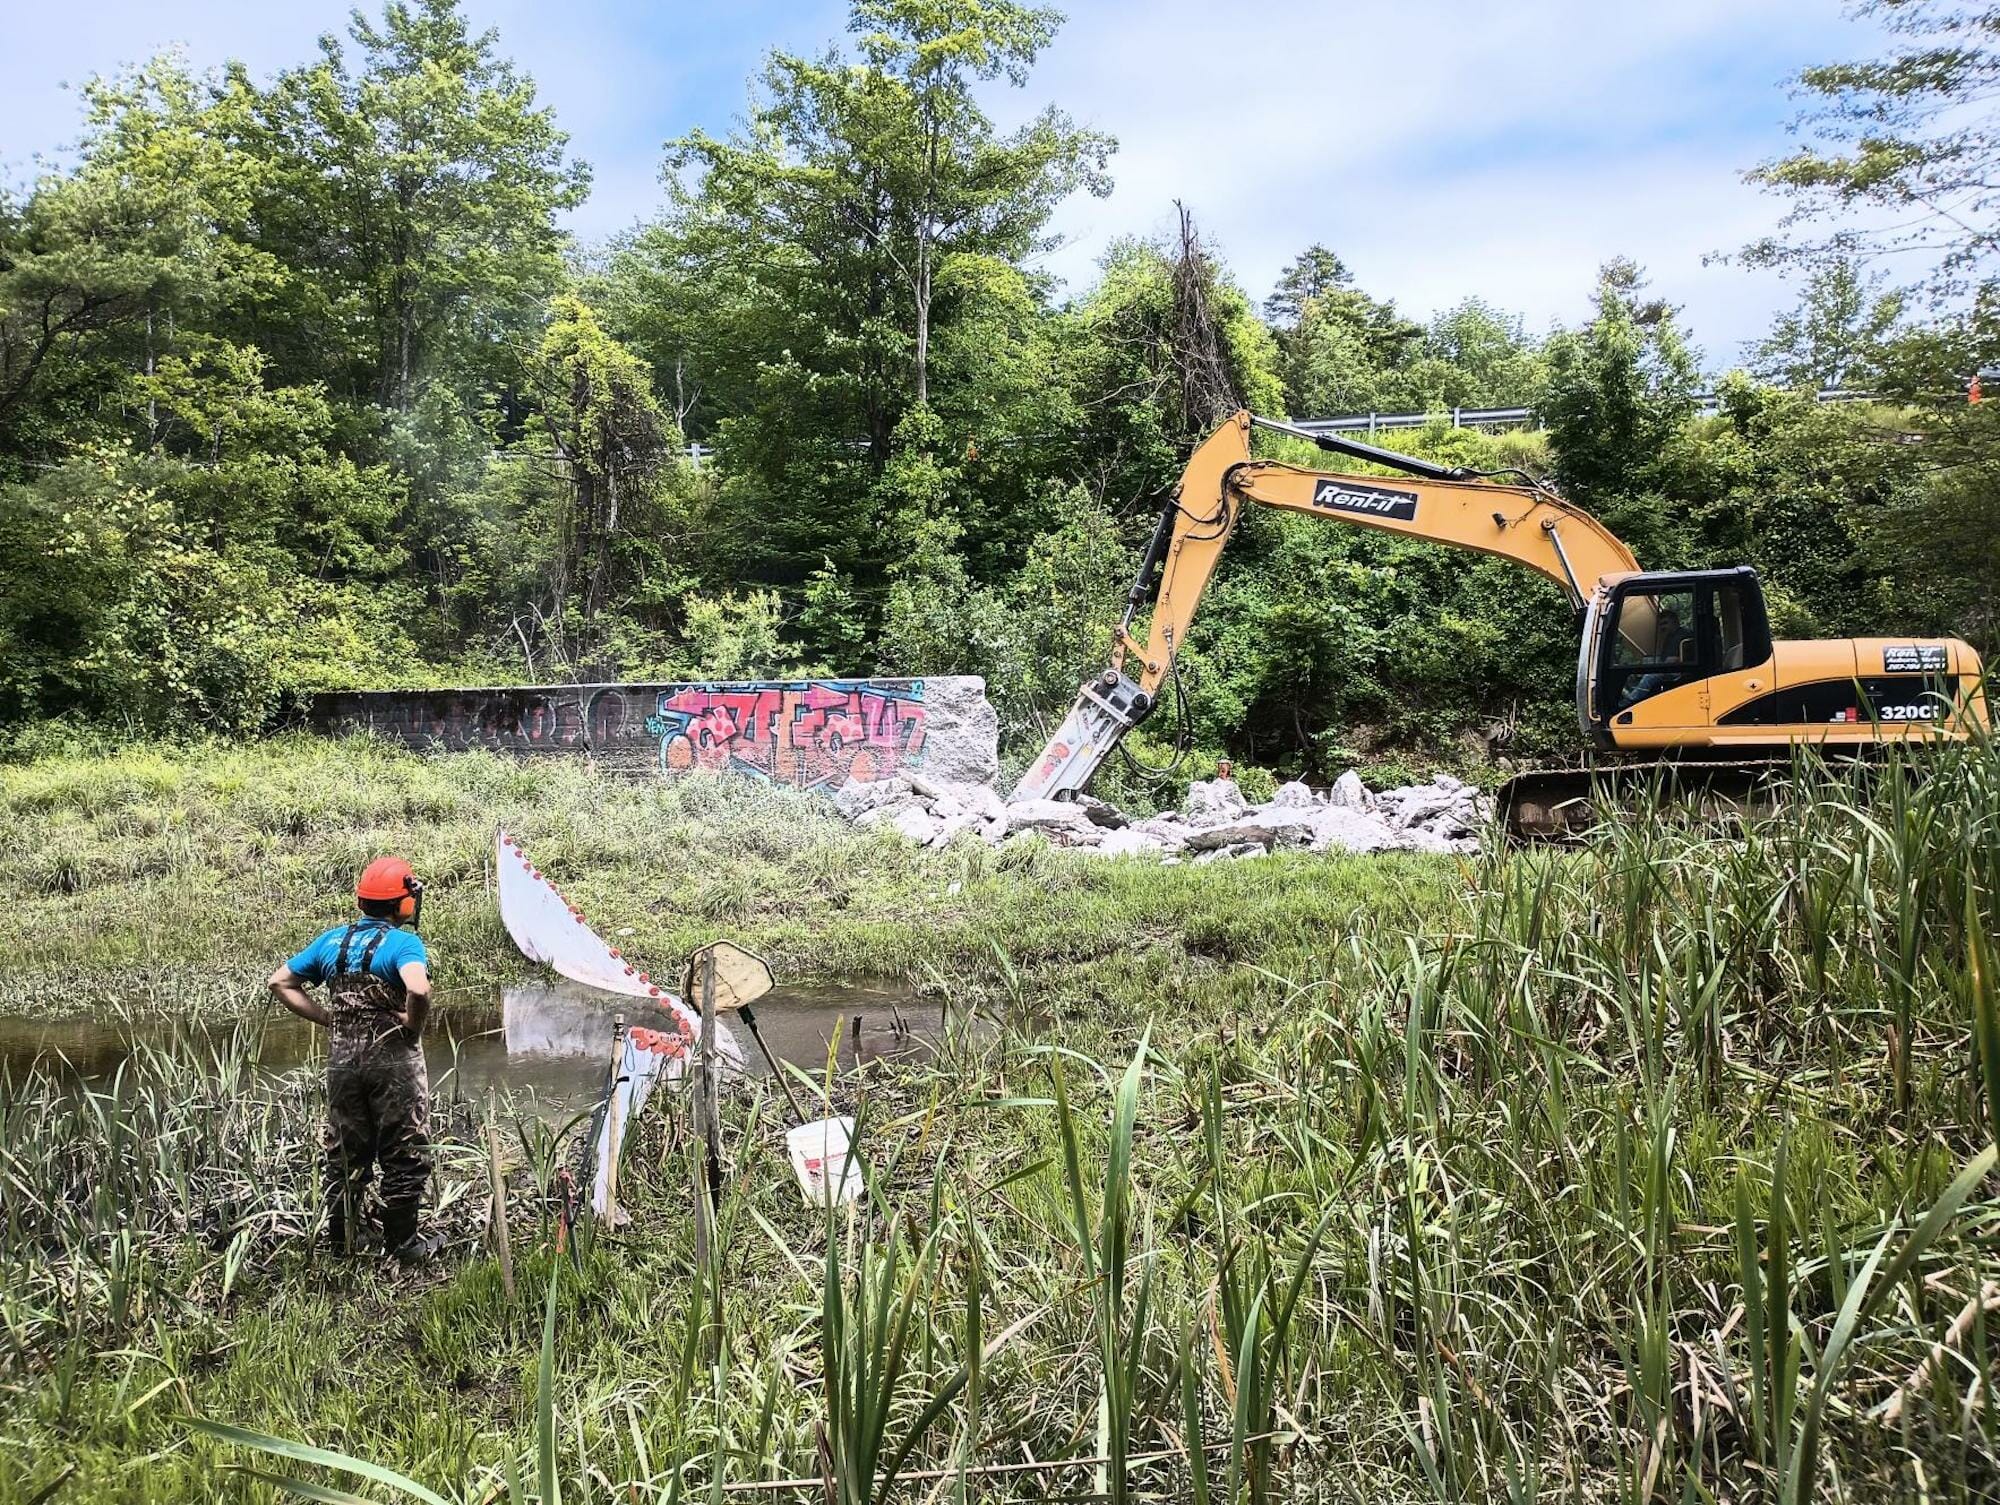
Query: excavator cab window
point(1670, 630)
point(1656, 645)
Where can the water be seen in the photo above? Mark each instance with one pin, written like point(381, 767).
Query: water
point(544, 1036)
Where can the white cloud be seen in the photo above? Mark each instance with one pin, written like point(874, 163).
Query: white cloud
point(1448, 149)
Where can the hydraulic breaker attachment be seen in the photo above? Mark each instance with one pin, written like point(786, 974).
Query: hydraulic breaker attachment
point(1106, 709)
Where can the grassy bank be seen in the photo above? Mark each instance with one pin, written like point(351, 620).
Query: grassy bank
point(174, 879)
point(1654, 1171)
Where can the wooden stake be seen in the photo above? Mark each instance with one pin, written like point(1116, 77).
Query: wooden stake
point(708, 1160)
point(613, 1128)
point(771, 1060)
point(704, 1130)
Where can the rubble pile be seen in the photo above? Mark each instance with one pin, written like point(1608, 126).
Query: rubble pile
point(1216, 823)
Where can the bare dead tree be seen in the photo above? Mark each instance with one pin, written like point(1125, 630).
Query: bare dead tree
point(1207, 391)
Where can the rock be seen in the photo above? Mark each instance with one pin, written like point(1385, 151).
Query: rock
point(1404, 808)
point(983, 801)
point(1264, 829)
point(1101, 814)
point(855, 800)
point(1212, 801)
point(950, 827)
point(1349, 793)
point(1289, 825)
point(1340, 829)
point(950, 799)
point(911, 820)
point(1267, 826)
point(1128, 842)
point(961, 731)
point(1215, 838)
point(915, 822)
point(1230, 853)
point(1047, 815)
point(1443, 814)
point(1417, 839)
point(1445, 808)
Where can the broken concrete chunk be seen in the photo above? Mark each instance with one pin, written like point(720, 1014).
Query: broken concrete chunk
point(961, 731)
point(982, 800)
point(1268, 826)
point(1349, 793)
point(1046, 815)
point(1101, 814)
point(1340, 829)
point(1234, 834)
point(909, 819)
point(1230, 853)
point(1443, 814)
point(951, 826)
point(1129, 841)
point(1212, 801)
point(856, 799)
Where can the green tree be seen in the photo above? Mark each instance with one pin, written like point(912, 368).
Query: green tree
point(1313, 273)
point(1339, 349)
point(1119, 357)
point(615, 451)
point(854, 188)
point(1909, 142)
point(1835, 337)
point(414, 192)
point(1621, 392)
point(1795, 487)
point(100, 268)
point(855, 255)
point(1473, 355)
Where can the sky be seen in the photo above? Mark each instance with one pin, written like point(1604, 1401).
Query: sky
point(1444, 148)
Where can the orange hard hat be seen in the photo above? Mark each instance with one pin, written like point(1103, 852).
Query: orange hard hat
point(386, 878)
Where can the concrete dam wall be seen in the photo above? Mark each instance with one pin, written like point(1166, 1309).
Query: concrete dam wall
point(808, 733)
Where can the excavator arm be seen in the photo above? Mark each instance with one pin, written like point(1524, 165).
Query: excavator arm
point(1439, 504)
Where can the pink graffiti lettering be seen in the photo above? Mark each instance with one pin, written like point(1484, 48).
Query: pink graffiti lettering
point(811, 734)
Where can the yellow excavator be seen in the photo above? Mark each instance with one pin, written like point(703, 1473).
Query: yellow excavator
point(1677, 677)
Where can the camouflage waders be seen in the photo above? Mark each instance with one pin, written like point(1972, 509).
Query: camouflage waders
point(378, 1096)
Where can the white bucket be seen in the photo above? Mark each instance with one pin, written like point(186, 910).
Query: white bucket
point(821, 1161)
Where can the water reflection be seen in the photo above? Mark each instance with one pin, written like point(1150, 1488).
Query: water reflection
point(541, 1035)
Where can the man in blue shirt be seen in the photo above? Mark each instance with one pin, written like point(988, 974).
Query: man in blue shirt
point(378, 987)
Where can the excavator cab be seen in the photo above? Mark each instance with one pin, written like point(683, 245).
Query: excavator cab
point(1645, 634)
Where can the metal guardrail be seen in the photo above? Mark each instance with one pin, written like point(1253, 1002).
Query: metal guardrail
point(1709, 403)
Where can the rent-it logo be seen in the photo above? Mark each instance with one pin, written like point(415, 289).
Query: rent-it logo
point(1371, 501)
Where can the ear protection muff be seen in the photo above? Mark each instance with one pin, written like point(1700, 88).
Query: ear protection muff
point(390, 880)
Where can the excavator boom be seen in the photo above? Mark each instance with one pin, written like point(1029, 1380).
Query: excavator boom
point(1443, 505)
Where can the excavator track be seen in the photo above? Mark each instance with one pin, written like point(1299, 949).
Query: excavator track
point(1562, 804)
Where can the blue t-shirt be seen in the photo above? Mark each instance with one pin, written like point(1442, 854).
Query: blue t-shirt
point(398, 949)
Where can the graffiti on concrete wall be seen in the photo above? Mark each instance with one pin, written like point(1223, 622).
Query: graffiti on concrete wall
point(812, 734)
point(503, 720)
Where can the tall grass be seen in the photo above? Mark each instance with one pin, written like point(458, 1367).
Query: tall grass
point(1660, 1169)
